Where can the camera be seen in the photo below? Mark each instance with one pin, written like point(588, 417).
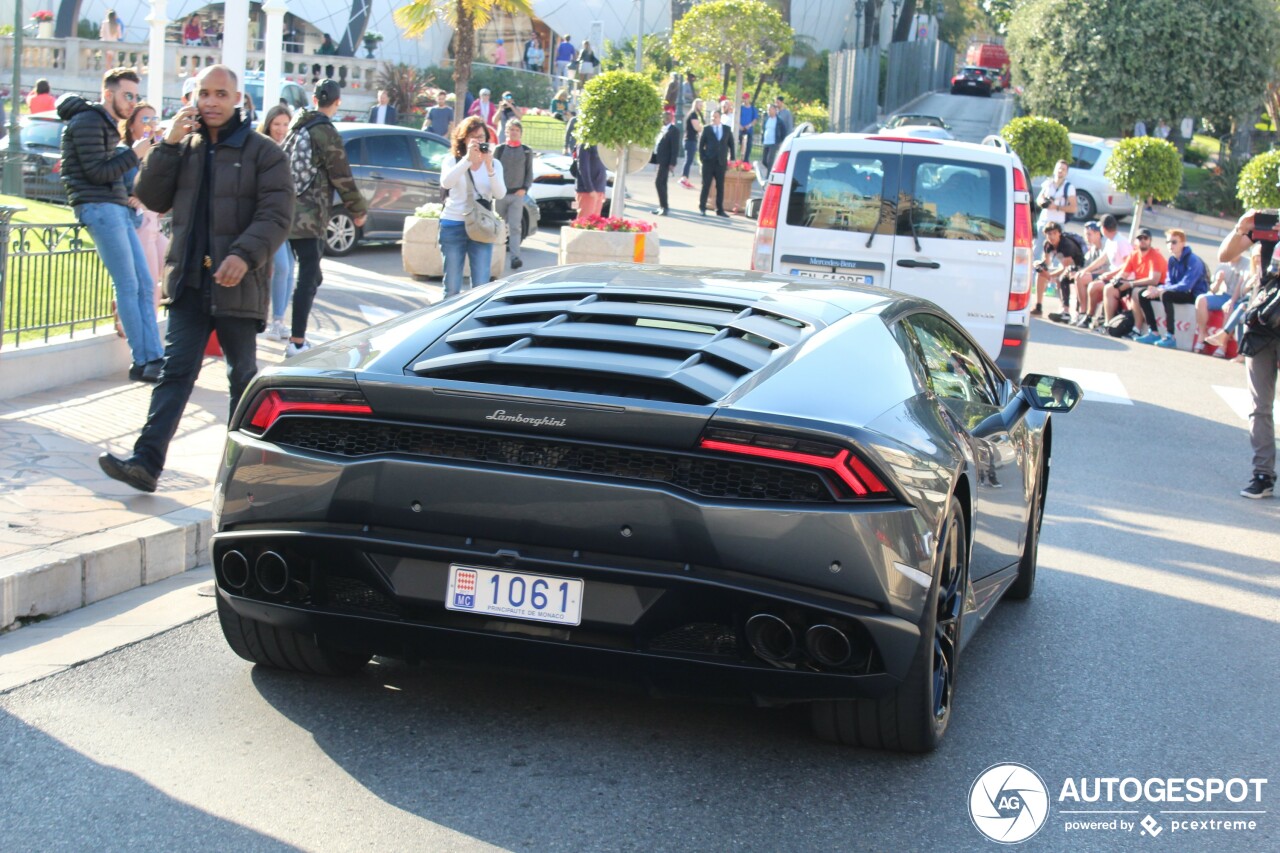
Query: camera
point(1041, 266)
point(1264, 225)
point(484, 147)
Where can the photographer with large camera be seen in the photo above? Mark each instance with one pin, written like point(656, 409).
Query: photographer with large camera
point(1261, 344)
point(1056, 200)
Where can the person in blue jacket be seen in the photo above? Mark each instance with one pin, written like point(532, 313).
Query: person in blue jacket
point(1187, 278)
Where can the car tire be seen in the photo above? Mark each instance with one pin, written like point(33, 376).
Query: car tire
point(914, 717)
point(1021, 588)
point(258, 642)
point(1086, 207)
point(341, 235)
point(525, 225)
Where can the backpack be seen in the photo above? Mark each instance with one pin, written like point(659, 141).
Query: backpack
point(1120, 325)
point(299, 152)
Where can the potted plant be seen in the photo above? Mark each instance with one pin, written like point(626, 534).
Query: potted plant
point(619, 109)
point(44, 23)
point(420, 245)
point(596, 238)
point(738, 179)
point(371, 40)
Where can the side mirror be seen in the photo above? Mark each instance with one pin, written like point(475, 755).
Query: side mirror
point(1050, 393)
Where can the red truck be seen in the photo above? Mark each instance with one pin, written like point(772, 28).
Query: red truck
point(992, 57)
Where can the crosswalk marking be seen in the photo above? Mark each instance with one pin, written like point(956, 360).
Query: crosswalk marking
point(1098, 386)
point(375, 314)
point(1240, 401)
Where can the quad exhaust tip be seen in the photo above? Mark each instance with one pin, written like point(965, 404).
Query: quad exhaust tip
point(770, 637)
point(272, 572)
point(235, 569)
point(828, 645)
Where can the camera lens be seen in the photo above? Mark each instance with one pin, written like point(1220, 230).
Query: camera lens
point(484, 147)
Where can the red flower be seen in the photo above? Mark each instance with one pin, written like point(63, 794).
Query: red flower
point(42, 16)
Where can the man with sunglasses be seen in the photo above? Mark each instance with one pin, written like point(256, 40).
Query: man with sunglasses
point(93, 171)
point(1185, 279)
point(1144, 267)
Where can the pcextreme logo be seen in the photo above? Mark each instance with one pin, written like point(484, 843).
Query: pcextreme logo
point(1009, 803)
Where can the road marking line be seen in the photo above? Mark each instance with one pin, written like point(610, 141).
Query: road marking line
point(1098, 386)
point(1239, 400)
point(375, 314)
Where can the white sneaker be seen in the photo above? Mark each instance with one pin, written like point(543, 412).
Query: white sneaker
point(291, 349)
point(280, 331)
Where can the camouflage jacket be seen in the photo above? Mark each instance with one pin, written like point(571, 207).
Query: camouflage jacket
point(311, 211)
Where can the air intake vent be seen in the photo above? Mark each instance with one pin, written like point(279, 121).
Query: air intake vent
point(617, 342)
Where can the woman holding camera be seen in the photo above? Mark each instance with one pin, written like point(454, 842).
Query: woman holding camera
point(471, 176)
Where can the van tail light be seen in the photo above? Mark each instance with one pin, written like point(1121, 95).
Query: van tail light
point(268, 406)
point(767, 221)
point(1020, 286)
point(855, 477)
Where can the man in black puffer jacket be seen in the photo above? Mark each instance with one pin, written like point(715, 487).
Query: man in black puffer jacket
point(232, 199)
point(93, 171)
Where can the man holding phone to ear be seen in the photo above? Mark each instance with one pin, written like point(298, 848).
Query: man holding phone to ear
point(232, 199)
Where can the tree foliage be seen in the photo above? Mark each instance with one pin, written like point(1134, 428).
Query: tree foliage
point(747, 35)
point(1039, 142)
point(1114, 61)
point(1145, 167)
point(656, 50)
point(407, 86)
point(1000, 12)
point(619, 108)
point(465, 16)
point(1257, 187)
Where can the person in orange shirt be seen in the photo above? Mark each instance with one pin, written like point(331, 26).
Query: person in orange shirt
point(1143, 268)
point(41, 99)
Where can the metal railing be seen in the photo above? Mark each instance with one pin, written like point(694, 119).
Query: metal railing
point(52, 283)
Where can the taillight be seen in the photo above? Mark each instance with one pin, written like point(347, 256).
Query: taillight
point(847, 466)
point(269, 405)
point(767, 221)
point(1020, 286)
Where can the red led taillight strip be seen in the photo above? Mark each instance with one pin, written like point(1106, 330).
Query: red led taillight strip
point(271, 405)
point(851, 470)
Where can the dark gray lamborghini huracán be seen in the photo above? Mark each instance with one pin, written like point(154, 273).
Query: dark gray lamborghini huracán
point(708, 480)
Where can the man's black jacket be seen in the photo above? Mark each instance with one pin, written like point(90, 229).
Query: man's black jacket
point(92, 169)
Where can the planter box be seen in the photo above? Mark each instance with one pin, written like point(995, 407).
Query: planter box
point(579, 246)
point(420, 250)
point(737, 189)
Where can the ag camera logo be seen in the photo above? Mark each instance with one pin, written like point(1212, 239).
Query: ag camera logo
point(1008, 803)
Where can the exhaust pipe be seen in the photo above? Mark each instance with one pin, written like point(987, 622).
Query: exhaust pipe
point(828, 645)
point(235, 569)
point(770, 637)
point(272, 573)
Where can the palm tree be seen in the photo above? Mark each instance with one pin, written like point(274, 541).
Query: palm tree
point(465, 16)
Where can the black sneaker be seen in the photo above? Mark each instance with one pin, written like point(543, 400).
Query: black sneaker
point(128, 471)
point(516, 263)
point(1035, 312)
point(1261, 486)
point(1059, 317)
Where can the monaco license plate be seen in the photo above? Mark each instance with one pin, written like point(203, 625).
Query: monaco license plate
point(852, 278)
point(514, 595)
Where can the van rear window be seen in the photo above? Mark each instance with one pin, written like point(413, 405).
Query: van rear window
point(835, 191)
point(953, 200)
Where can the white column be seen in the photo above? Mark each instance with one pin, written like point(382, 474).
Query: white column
point(273, 44)
point(157, 67)
point(235, 36)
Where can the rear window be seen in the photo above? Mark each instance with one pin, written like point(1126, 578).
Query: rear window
point(1084, 156)
point(953, 200)
point(836, 191)
point(45, 134)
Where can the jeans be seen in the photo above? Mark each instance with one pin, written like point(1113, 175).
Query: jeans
point(308, 251)
point(111, 226)
point(745, 149)
point(458, 248)
point(690, 151)
point(511, 208)
point(1261, 369)
point(281, 280)
point(189, 329)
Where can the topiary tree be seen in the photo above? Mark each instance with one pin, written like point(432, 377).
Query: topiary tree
point(1257, 186)
point(1145, 167)
point(747, 35)
point(1039, 142)
point(619, 109)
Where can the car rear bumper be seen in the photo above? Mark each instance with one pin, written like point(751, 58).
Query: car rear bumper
point(1013, 350)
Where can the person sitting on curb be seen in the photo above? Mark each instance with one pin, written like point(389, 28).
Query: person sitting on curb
point(1117, 248)
point(1144, 267)
point(1070, 259)
point(1221, 296)
point(1056, 200)
point(1095, 263)
point(1186, 278)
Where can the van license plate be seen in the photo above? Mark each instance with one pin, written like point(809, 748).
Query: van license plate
point(514, 595)
point(852, 278)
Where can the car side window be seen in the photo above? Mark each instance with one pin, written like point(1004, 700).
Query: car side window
point(1083, 157)
point(431, 153)
point(355, 152)
point(390, 151)
point(953, 367)
point(952, 200)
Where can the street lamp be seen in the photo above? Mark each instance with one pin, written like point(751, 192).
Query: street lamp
point(12, 181)
point(859, 7)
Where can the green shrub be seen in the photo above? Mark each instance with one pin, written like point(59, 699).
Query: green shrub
point(619, 108)
point(814, 113)
point(1194, 156)
point(1257, 182)
point(1039, 142)
point(1145, 167)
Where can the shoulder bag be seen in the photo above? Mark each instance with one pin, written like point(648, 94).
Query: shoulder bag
point(483, 225)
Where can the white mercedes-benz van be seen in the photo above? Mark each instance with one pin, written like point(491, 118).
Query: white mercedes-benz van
point(949, 221)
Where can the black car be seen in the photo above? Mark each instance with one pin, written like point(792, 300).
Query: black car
point(397, 170)
point(971, 80)
point(41, 138)
point(712, 481)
